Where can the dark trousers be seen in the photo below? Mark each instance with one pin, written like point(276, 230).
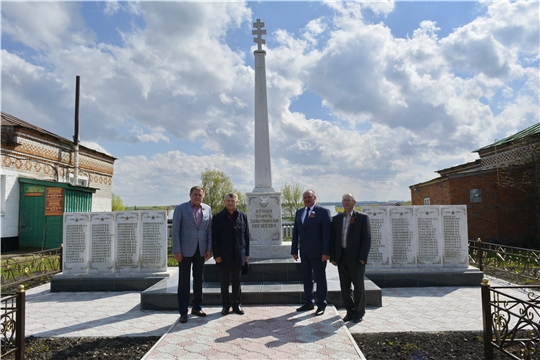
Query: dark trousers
point(226, 276)
point(184, 274)
point(314, 270)
point(353, 300)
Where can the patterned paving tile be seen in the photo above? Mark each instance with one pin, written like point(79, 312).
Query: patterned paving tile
point(271, 331)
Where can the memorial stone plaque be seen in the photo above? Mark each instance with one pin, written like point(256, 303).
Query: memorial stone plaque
point(76, 243)
point(127, 241)
point(455, 239)
point(428, 227)
point(380, 252)
point(101, 242)
point(264, 217)
point(403, 234)
point(153, 235)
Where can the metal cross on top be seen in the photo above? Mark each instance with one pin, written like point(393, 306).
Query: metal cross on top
point(259, 40)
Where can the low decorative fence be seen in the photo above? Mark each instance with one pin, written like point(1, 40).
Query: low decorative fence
point(12, 322)
point(515, 260)
point(511, 320)
point(23, 268)
point(287, 231)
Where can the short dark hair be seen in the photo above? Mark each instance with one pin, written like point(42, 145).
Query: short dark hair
point(195, 188)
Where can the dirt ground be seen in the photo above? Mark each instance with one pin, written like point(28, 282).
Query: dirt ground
point(379, 346)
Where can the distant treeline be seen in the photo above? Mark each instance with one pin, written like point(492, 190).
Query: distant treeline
point(165, 207)
point(338, 205)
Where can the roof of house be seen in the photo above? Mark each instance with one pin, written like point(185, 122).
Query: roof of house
point(470, 166)
point(10, 120)
point(535, 129)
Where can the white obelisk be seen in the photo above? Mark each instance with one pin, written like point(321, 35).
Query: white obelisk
point(264, 204)
point(263, 168)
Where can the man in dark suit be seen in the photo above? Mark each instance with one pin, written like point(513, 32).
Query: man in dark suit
point(351, 240)
point(230, 242)
point(192, 246)
point(312, 235)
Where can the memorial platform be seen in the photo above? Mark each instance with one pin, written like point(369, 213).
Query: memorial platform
point(427, 277)
point(268, 282)
point(107, 282)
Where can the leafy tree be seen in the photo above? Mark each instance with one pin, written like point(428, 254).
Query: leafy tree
point(216, 185)
point(117, 203)
point(291, 199)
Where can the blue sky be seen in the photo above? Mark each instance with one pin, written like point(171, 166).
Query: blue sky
point(363, 97)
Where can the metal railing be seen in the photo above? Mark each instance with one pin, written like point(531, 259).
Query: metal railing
point(12, 322)
point(20, 268)
point(511, 323)
point(514, 260)
point(287, 231)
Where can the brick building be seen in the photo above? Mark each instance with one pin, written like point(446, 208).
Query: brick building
point(38, 183)
point(501, 190)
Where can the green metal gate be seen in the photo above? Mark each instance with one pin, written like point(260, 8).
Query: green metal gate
point(39, 227)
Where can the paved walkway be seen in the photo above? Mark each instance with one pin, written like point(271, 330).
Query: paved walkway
point(273, 332)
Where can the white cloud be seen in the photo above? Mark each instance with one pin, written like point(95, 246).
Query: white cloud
point(166, 178)
point(95, 146)
point(398, 109)
point(44, 25)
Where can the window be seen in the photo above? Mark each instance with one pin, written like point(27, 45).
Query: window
point(426, 201)
point(81, 181)
point(476, 195)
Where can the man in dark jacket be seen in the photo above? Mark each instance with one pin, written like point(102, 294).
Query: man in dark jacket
point(351, 241)
point(312, 235)
point(230, 243)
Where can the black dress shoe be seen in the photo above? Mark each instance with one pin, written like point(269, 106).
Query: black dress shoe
point(198, 312)
point(306, 307)
point(319, 311)
point(225, 311)
point(348, 317)
point(183, 318)
point(357, 318)
point(238, 310)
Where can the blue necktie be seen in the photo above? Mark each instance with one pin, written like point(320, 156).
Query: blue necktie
point(306, 217)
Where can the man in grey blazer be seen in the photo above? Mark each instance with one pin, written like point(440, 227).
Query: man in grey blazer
point(351, 241)
point(192, 246)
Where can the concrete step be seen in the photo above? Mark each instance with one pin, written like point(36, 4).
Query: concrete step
point(162, 296)
point(275, 270)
